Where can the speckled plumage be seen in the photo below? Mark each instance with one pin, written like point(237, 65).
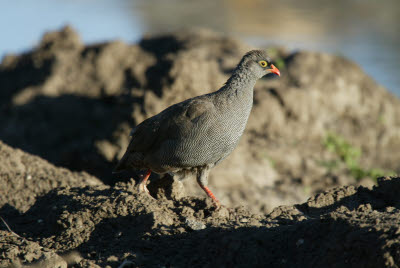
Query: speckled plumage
point(196, 134)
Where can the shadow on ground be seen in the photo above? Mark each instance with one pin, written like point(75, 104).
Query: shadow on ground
point(350, 227)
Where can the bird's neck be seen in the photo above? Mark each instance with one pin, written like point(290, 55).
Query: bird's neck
point(240, 84)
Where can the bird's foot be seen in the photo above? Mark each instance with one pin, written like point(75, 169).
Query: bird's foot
point(142, 188)
point(217, 204)
point(221, 212)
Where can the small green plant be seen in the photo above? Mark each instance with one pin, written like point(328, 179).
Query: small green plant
point(349, 156)
point(347, 153)
point(382, 119)
point(278, 61)
point(272, 52)
point(330, 165)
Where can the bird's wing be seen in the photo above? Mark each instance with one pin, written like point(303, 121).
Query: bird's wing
point(174, 122)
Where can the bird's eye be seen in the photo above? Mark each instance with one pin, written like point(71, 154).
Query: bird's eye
point(263, 63)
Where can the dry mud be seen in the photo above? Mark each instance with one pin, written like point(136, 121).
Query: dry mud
point(107, 226)
point(71, 105)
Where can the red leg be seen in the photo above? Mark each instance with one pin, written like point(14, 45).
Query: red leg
point(202, 180)
point(211, 195)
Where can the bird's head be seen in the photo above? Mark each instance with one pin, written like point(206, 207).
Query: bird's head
point(258, 63)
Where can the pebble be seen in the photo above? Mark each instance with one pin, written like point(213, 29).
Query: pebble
point(195, 225)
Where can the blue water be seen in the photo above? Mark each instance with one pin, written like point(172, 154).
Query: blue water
point(365, 31)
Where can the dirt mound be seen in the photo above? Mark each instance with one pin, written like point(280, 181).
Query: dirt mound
point(74, 105)
point(348, 226)
point(23, 177)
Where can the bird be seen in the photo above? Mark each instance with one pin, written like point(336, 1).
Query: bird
point(192, 136)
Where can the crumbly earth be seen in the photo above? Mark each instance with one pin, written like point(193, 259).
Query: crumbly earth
point(107, 226)
point(69, 108)
point(23, 177)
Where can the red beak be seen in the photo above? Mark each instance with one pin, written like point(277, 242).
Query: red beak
point(274, 70)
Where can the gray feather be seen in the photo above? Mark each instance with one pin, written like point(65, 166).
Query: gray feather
point(198, 132)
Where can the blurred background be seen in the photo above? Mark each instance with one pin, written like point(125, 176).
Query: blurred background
point(365, 31)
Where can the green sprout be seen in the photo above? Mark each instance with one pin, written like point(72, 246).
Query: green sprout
point(350, 157)
point(278, 60)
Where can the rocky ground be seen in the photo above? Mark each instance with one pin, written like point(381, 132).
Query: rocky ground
point(321, 130)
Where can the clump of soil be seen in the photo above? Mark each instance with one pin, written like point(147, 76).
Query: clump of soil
point(343, 227)
point(23, 177)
